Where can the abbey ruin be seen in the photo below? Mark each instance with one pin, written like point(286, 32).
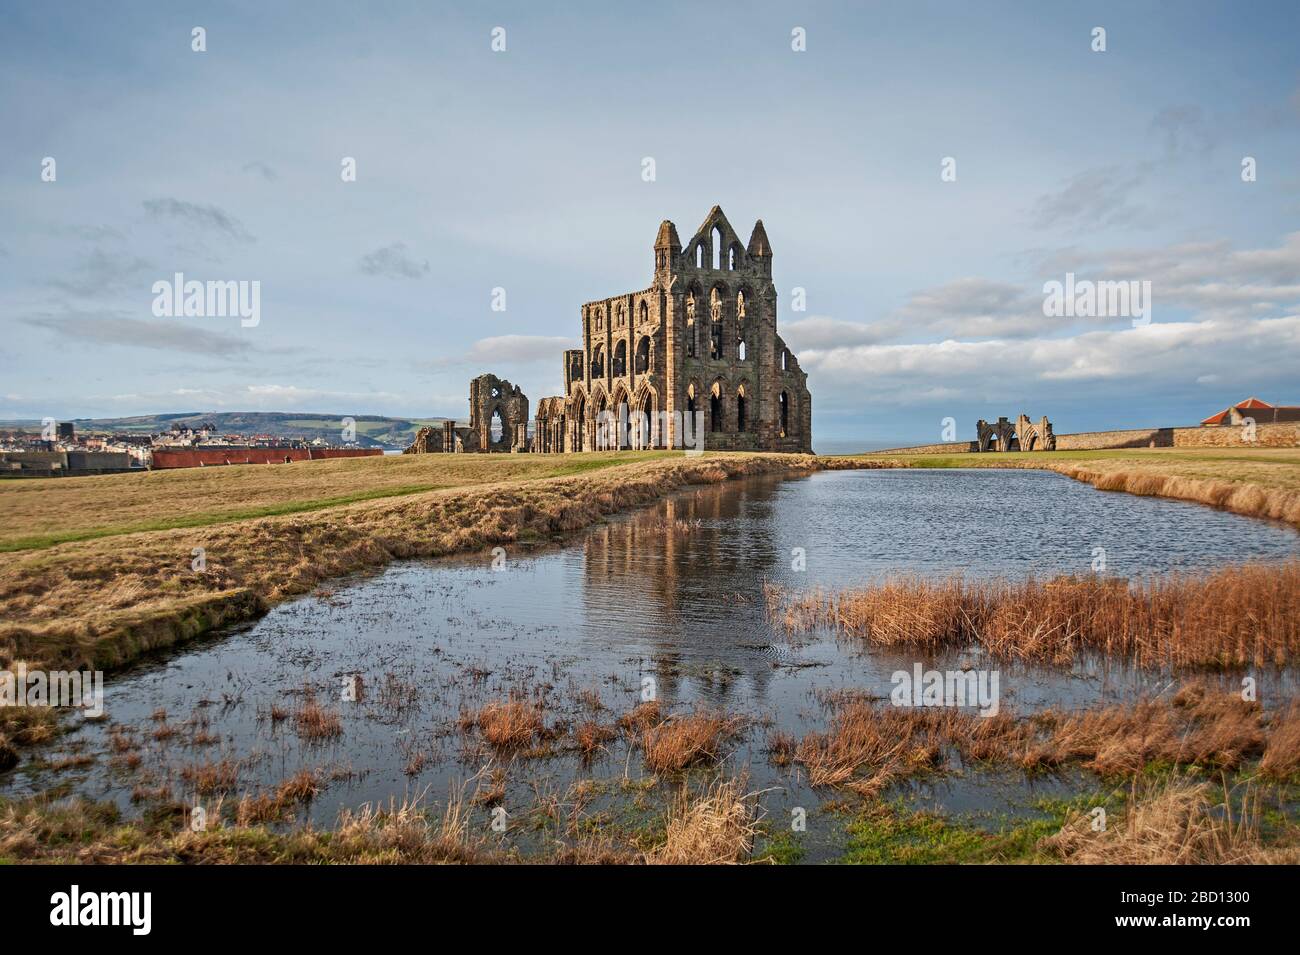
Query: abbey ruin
point(693, 361)
point(694, 356)
point(1024, 435)
point(498, 421)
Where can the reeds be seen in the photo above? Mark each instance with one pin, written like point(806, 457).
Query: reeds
point(512, 724)
point(1247, 615)
point(1172, 821)
point(1282, 755)
point(869, 746)
point(682, 741)
point(715, 827)
point(314, 722)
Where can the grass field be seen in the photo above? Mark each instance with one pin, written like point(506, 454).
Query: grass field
point(47, 512)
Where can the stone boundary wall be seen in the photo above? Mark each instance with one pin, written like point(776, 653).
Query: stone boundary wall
point(212, 457)
point(1266, 436)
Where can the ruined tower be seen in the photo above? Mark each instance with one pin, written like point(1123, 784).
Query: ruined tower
point(698, 345)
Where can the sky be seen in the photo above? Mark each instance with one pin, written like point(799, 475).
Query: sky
point(922, 170)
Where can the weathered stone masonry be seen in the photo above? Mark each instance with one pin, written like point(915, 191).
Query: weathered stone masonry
point(492, 401)
point(701, 339)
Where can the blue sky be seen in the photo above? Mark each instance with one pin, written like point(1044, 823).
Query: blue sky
point(522, 170)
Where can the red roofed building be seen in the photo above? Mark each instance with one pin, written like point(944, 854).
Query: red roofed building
point(1261, 412)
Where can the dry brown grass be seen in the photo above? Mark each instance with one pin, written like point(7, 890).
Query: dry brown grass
point(213, 776)
point(641, 717)
point(591, 737)
point(716, 827)
point(886, 742)
point(102, 602)
point(1217, 730)
point(1245, 615)
point(403, 833)
point(682, 741)
point(781, 747)
point(510, 724)
point(1176, 821)
point(1282, 755)
point(314, 722)
point(300, 788)
point(870, 745)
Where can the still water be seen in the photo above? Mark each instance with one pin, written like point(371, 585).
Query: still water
point(672, 593)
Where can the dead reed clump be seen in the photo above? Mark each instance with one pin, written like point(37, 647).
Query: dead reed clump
point(314, 722)
point(781, 747)
point(682, 741)
point(211, 777)
point(716, 827)
point(1176, 821)
point(887, 742)
point(1246, 615)
point(1281, 758)
point(592, 737)
point(641, 717)
point(403, 833)
point(491, 789)
point(1196, 727)
point(302, 786)
point(510, 725)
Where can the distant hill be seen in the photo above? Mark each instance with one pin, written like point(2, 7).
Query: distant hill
point(372, 430)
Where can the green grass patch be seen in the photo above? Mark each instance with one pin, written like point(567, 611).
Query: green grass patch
point(895, 834)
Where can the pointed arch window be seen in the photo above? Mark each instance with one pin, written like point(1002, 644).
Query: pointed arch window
point(690, 325)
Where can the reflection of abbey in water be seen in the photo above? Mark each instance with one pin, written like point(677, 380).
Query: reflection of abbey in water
point(701, 340)
point(692, 361)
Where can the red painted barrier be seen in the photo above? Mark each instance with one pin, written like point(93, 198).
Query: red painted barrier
point(220, 457)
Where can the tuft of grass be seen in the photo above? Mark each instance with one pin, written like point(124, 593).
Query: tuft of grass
point(715, 827)
point(213, 776)
point(512, 724)
point(314, 722)
point(682, 741)
point(591, 737)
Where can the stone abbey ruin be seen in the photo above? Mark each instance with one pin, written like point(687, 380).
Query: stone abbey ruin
point(498, 421)
point(692, 361)
point(1024, 435)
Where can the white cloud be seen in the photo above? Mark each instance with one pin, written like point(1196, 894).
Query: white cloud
point(520, 349)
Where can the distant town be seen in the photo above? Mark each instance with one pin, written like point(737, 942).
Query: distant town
point(58, 450)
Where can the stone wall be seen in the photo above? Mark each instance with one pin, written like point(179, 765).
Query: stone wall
point(1266, 436)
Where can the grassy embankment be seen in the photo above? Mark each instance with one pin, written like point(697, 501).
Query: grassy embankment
point(95, 571)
